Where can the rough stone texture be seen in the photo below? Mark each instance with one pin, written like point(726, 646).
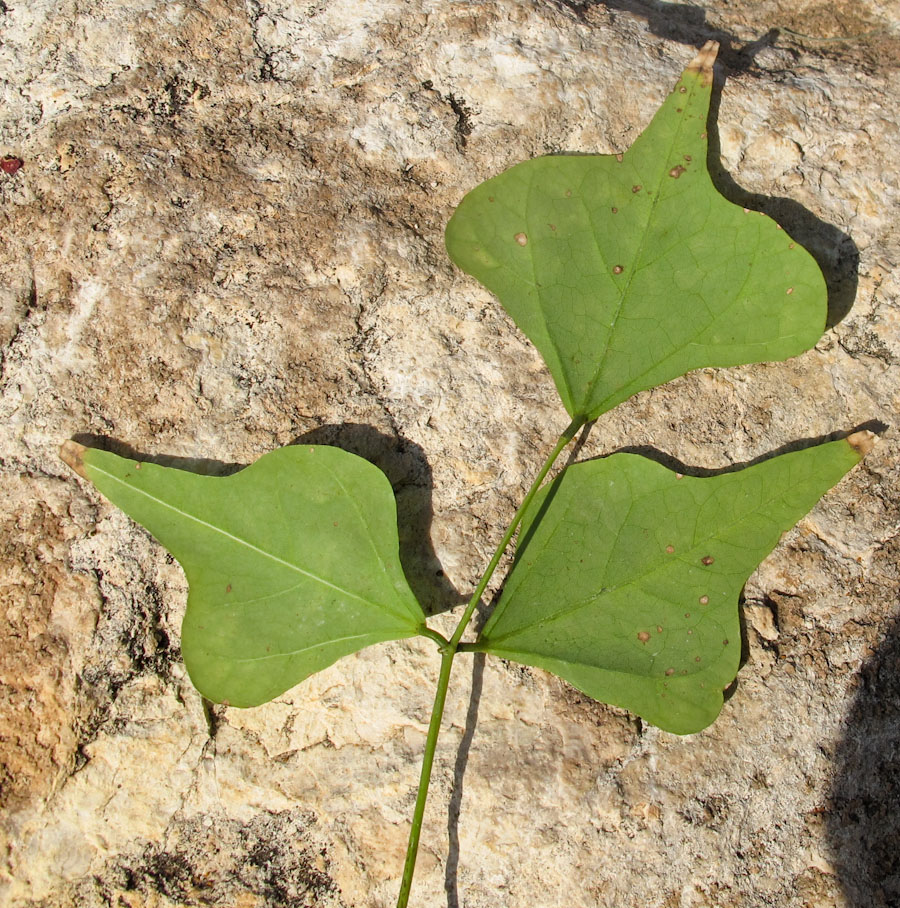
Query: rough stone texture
point(227, 235)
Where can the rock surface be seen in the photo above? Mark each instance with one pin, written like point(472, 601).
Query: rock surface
point(227, 235)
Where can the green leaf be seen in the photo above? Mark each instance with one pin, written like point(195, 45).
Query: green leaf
point(627, 575)
point(626, 271)
point(292, 563)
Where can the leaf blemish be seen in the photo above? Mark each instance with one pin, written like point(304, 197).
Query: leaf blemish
point(670, 671)
point(636, 188)
point(708, 560)
point(618, 269)
point(521, 239)
point(670, 549)
point(643, 636)
point(688, 158)
point(659, 629)
point(620, 157)
point(228, 588)
point(676, 172)
point(703, 600)
point(615, 211)
point(790, 290)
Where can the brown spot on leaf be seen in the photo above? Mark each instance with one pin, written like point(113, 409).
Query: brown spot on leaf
point(688, 158)
point(521, 239)
point(643, 636)
point(789, 291)
point(670, 671)
point(682, 90)
point(618, 269)
point(707, 560)
point(620, 157)
point(791, 245)
point(568, 193)
point(637, 187)
point(670, 549)
point(725, 642)
point(658, 628)
point(228, 588)
point(676, 172)
point(553, 227)
point(696, 658)
point(615, 211)
point(703, 600)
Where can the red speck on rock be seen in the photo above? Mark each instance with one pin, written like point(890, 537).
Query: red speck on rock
point(10, 165)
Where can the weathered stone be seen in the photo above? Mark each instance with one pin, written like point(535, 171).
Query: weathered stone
point(227, 235)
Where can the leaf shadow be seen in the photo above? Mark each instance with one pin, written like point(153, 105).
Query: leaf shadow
point(834, 251)
point(862, 824)
point(875, 426)
point(407, 469)
point(683, 23)
point(402, 461)
point(203, 466)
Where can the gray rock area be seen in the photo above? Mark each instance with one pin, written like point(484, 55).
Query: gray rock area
point(227, 235)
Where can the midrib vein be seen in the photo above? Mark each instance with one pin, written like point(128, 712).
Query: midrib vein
point(237, 539)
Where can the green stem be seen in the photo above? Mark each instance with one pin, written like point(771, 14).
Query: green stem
point(561, 443)
point(450, 647)
point(434, 727)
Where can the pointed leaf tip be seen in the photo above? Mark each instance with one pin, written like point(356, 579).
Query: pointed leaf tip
point(70, 453)
point(703, 62)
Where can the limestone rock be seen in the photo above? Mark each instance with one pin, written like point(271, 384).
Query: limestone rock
point(227, 235)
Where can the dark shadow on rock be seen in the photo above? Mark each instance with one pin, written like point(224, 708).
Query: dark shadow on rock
point(862, 818)
point(683, 23)
point(204, 466)
point(405, 466)
point(673, 463)
point(407, 469)
point(834, 251)
point(451, 882)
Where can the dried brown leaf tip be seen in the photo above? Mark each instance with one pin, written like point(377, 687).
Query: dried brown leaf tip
point(71, 454)
point(703, 62)
point(862, 441)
